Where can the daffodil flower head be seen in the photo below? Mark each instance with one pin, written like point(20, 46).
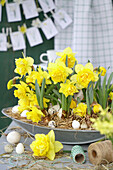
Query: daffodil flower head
point(111, 95)
point(68, 88)
point(58, 71)
point(84, 75)
point(39, 76)
point(22, 89)
point(71, 56)
point(24, 104)
point(104, 123)
point(12, 82)
point(45, 145)
point(24, 65)
point(73, 104)
point(2, 2)
point(100, 70)
point(97, 108)
point(80, 110)
point(35, 114)
point(23, 29)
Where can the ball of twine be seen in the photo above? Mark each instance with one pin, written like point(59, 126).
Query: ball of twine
point(101, 152)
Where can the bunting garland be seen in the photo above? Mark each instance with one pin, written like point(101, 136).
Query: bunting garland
point(32, 33)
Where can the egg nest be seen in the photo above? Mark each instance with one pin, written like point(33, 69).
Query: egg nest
point(63, 123)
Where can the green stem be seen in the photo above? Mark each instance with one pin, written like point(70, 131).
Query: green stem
point(37, 89)
point(42, 94)
point(69, 102)
point(88, 103)
point(112, 106)
point(63, 102)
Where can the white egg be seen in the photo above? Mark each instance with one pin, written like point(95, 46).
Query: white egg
point(52, 124)
point(23, 114)
point(20, 148)
point(50, 111)
point(59, 114)
point(53, 109)
point(80, 95)
point(8, 148)
point(13, 137)
point(15, 109)
point(75, 124)
point(83, 126)
point(56, 107)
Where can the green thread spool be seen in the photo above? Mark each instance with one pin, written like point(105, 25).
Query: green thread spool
point(78, 154)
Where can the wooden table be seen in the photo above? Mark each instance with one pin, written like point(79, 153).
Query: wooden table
point(15, 161)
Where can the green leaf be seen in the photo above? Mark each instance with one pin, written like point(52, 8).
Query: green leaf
point(51, 87)
point(112, 106)
point(78, 100)
point(90, 92)
point(66, 61)
point(52, 98)
point(87, 101)
point(100, 95)
point(104, 83)
point(37, 89)
point(95, 95)
point(69, 102)
point(109, 80)
point(63, 102)
point(74, 68)
point(42, 93)
point(98, 84)
point(104, 93)
point(56, 92)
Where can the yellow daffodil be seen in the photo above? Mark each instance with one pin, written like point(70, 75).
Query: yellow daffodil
point(39, 76)
point(104, 123)
point(32, 98)
point(71, 56)
point(23, 29)
point(84, 75)
point(35, 114)
point(28, 101)
point(31, 78)
point(73, 104)
point(43, 74)
point(22, 89)
point(24, 104)
point(45, 145)
point(45, 101)
point(97, 108)
point(12, 82)
point(24, 65)
point(58, 71)
point(68, 88)
point(2, 2)
point(111, 95)
point(80, 110)
point(100, 70)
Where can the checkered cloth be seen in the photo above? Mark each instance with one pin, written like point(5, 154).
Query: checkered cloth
point(91, 33)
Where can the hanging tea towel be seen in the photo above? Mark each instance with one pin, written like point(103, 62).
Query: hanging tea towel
point(91, 32)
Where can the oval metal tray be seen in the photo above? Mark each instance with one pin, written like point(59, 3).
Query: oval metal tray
point(65, 136)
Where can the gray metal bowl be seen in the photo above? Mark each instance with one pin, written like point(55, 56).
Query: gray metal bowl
point(65, 136)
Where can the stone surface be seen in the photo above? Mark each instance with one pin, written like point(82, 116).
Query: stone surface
point(26, 161)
